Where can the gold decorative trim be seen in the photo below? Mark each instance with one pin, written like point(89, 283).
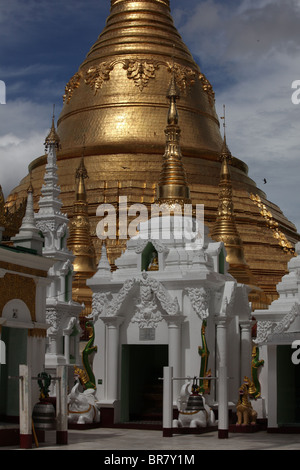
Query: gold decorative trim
point(185, 76)
point(272, 224)
point(207, 87)
point(73, 83)
point(140, 71)
point(97, 75)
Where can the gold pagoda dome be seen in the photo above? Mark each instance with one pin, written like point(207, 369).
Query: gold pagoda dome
point(115, 106)
point(117, 98)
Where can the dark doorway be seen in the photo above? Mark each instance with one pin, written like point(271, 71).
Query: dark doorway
point(288, 388)
point(15, 340)
point(141, 389)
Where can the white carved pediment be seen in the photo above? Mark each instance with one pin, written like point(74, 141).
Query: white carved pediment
point(268, 329)
point(153, 297)
point(158, 245)
point(199, 297)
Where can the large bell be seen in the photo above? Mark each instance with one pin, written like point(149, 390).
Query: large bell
point(44, 416)
point(195, 402)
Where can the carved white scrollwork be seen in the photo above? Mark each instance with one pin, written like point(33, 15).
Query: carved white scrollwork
point(199, 297)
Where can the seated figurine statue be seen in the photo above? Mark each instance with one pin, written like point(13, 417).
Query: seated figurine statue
point(245, 413)
point(193, 410)
point(82, 407)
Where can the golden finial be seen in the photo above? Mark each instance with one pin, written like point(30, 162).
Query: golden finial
point(52, 138)
point(80, 175)
point(225, 227)
point(172, 186)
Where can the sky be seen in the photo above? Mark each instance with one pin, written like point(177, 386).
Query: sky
point(248, 49)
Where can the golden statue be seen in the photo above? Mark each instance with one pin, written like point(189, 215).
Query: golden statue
point(245, 413)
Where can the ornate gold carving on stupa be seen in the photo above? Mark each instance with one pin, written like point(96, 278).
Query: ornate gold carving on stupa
point(73, 83)
point(97, 75)
point(272, 224)
point(207, 87)
point(141, 71)
point(185, 76)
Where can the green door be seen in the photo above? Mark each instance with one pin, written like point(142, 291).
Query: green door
point(141, 389)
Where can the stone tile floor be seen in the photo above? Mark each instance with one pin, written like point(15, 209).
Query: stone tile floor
point(114, 439)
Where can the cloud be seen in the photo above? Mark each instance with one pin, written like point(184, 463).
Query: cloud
point(251, 54)
point(24, 126)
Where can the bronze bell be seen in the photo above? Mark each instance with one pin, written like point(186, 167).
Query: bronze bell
point(44, 416)
point(195, 402)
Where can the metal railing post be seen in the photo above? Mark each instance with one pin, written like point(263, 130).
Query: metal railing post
point(168, 402)
point(61, 406)
point(25, 406)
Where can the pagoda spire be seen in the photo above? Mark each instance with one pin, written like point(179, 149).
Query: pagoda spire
point(225, 228)
point(29, 235)
point(62, 313)
point(172, 186)
point(80, 243)
point(79, 240)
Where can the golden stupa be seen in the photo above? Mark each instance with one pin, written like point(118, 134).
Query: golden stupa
point(115, 107)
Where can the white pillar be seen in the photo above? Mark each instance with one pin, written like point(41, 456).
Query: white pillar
point(272, 386)
point(168, 402)
point(61, 405)
point(66, 338)
point(175, 351)
point(25, 407)
point(246, 349)
point(222, 383)
point(112, 372)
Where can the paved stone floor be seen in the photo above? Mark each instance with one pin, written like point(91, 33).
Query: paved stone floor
point(106, 439)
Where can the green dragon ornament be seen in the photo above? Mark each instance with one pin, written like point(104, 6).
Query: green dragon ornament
point(204, 354)
point(256, 363)
point(44, 382)
point(86, 376)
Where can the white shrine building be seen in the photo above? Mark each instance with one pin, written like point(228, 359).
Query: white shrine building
point(145, 320)
point(170, 282)
point(278, 339)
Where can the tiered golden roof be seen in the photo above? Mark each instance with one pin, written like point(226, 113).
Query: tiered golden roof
point(115, 105)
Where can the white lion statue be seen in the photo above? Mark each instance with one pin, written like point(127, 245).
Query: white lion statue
point(82, 407)
point(192, 418)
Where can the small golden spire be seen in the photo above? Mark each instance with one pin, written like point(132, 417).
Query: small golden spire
point(80, 242)
point(81, 175)
point(225, 227)
point(52, 138)
point(172, 186)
